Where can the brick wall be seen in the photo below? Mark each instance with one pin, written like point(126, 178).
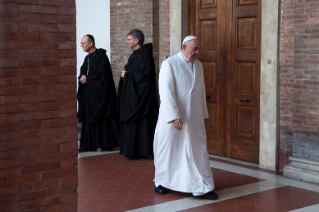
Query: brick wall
point(299, 80)
point(306, 81)
point(125, 16)
point(150, 16)
point(287, 46)
point(164, 39)
point(38, 127)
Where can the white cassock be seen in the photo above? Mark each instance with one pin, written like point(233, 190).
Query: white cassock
point(180, 156)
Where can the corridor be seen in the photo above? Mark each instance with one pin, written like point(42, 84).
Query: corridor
point(109, 182)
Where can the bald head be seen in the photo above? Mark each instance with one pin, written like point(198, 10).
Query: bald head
point(88, 44)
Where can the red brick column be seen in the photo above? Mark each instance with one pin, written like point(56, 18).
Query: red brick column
point(38, 127)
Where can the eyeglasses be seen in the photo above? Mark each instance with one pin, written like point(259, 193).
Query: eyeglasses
point(83, 43)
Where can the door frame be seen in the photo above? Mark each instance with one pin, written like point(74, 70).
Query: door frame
point(268, 139)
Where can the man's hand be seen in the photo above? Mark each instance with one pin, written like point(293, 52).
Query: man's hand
point(123, 73)
point(83, 79)
point(178, 124)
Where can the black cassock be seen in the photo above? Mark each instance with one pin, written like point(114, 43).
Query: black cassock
point(98, 104)
point(137, 100)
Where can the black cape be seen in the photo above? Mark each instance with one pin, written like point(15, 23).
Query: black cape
point(98, 104)
point(137, 100)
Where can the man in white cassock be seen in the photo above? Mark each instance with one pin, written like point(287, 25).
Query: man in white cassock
point(180, 150)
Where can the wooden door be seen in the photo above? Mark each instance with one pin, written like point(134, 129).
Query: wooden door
point(229, 32)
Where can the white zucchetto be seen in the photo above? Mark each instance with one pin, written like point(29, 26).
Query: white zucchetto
point(188, 38)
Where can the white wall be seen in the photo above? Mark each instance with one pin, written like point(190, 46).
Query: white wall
point(92, 17)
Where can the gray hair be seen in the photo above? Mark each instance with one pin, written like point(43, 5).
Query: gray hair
point(137, 34)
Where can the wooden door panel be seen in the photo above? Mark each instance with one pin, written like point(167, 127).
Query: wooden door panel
point(241, 149)
point(229, 32)
point(208, 4)
point(244, 134)
point(207, 55)
point(207, 27)
point(211, 125)
point(246, 77)
point(210, 76)
point(208, 34)
point(245, 122)
point(207, 13)
point(214, 143)
point(246, 2)
point(246, 33)
point(245, 56)
point(245, 11)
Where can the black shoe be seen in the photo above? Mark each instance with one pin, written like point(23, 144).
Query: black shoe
point(160, 190)
point(210, 195)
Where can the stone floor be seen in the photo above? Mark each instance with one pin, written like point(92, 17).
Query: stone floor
point(109, 182)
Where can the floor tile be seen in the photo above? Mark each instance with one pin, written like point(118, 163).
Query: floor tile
point(274, 200)
point(113, 183)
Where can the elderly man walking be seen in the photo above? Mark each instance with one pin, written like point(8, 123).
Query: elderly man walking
point(180, 146)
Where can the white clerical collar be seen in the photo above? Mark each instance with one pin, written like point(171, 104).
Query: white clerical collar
point(189, 63)
point(186, 59)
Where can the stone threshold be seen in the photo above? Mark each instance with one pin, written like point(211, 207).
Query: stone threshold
point(302, 169)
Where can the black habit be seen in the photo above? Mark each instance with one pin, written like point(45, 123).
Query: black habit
point(97, 104)
point(137, 99)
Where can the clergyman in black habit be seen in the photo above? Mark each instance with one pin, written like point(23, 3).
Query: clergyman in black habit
point(137, 99)
point(97, 100)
